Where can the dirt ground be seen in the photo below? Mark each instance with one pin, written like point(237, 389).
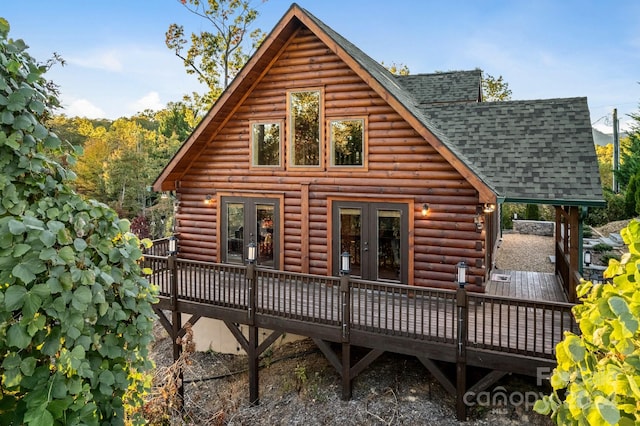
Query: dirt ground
point(298, 386)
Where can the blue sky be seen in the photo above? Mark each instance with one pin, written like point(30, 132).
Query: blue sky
point(118, 64)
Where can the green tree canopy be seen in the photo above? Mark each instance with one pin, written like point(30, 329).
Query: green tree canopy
point(495, 89)
point(75, 310)
point(216, 56)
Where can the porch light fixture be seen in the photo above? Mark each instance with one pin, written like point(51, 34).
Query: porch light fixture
point(425, 209)
point(462, 273)
point(489, 208)
point(479, 221)
point(208, 199)
point(587, 257)
point(173, 245)
point(345, 263)
point(252, 252)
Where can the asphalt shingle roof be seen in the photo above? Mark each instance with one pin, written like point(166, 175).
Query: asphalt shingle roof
point(530, 150)
point(443, 87)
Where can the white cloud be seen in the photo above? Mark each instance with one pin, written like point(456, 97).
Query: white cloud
point(83, 108)
point(109, 60)
point(149, 101)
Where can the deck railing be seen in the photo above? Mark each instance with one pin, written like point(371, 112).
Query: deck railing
point(525, 327)
point(399, 310)
point(160, 247)
point(494, 323)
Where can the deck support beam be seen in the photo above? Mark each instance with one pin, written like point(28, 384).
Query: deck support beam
point(440, 376)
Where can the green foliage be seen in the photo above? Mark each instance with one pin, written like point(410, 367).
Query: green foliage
point(601, 247)
point(120, 162)
point(632, 196)
point(606, 257)
point(615, 210)
point(75, 310)
point(495, 89)
point(216, 56)
point(629, 155)
point(532, 212)
point(599, 371)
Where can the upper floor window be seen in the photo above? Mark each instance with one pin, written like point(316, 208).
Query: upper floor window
point(305, 128)
point(347, 142)
point(266, 144)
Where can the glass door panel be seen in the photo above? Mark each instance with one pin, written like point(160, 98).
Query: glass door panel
point(389, 227)
point(235, 233)
point(375, 234)
point(264, 219)
point(351, 237)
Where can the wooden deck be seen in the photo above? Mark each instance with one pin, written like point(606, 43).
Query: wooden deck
point(525, 285)
point(507, 334)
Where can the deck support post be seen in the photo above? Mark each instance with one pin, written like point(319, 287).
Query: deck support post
point(346, 346)
point(252, 347)
point(254, 368)
point(461, 356)
point(176, 324)
point(346, 371)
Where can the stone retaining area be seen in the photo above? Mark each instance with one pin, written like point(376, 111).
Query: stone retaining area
point(534, 227)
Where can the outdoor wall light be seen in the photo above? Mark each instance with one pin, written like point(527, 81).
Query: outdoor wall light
point(479, 221)
point(587, 257)
point(208, 199)
point(425, 209)
point(345, 263)
point(489, 208)
point(462, 273)
point(252, 252)
point(173, 245)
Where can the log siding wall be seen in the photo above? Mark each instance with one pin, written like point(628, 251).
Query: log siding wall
point(401, 165)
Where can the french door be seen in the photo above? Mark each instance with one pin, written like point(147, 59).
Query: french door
point(375, 234)
point(250, 220)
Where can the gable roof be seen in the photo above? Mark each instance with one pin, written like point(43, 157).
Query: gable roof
point(444, 87)
point(444, 109)
point(540, 150)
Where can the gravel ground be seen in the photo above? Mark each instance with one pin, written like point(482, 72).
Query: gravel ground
point(299, 387)
point(518, 252)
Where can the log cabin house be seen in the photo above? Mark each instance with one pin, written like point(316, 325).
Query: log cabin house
point(315, 149)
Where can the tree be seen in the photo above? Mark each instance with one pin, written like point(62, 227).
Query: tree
point(629, 154)
point(599, 371)
point(495, 89)
point(397, 69)
point(216, 56)
point(75, 310)
point(605, 166)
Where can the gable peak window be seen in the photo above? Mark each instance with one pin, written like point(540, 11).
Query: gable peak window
point(304, 113)
point(347, 142)
point(266, 144)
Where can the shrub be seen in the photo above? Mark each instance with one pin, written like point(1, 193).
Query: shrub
point(615, 210)
point(532, 212)
point(601, 247)
point(597, 380)
point(75, 311)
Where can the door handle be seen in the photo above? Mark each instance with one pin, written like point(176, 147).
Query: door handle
point(366, 246)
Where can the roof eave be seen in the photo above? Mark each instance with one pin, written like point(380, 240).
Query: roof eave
point(555, 201)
